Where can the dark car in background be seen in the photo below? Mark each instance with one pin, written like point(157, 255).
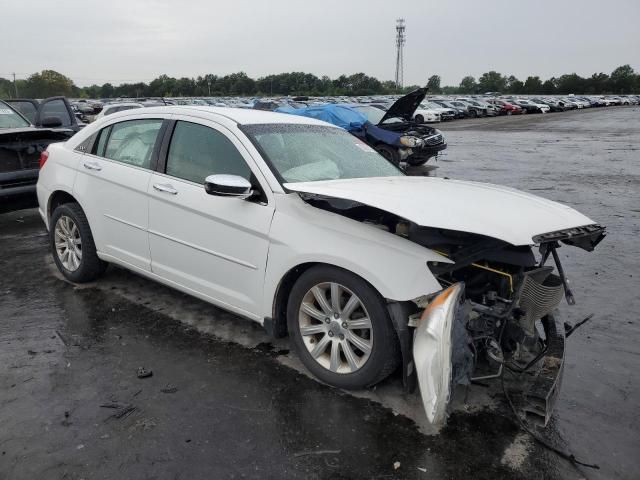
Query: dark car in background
point(21, 146)
point(554, 105)
point(458, 111)
point(50, 113)
point(391, 132)
point(473, 111)
point(396, 136)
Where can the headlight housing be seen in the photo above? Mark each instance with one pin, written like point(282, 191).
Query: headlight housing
point(433, 350)
point(410, 141)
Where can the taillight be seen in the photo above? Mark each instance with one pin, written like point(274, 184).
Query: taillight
point(44, 156)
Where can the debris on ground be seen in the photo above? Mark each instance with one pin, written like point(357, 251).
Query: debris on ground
point(316, 452)
point(396, 465)
point(122, 410)
point(169, 389)
point(144, 373)
point(144, 424)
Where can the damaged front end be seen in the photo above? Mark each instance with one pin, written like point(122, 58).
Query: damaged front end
point(441, 351)
point(501, 275)
point(498, 313)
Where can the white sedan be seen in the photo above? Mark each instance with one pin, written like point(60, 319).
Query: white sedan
point(111, 108)
point(300, 226)
point(426, 114)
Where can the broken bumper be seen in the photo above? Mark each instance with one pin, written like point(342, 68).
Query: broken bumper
point(541, 393)
point(442, 359)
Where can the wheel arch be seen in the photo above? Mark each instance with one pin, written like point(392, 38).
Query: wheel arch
point(278, 320)
point(57, 198)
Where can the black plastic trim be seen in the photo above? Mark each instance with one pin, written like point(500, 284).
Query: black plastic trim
point(161, 166)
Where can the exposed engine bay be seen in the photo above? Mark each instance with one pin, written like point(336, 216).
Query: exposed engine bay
point(505, 316)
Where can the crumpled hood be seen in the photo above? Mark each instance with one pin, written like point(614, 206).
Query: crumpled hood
point(491, 210)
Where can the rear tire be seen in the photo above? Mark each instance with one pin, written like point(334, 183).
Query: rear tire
point(72, 245)
point(341, 344)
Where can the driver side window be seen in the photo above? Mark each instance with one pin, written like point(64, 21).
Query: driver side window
point(129, 142)
point(197, 151)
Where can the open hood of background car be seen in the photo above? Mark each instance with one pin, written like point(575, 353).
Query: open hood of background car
point(405, 106)
point(484, 209)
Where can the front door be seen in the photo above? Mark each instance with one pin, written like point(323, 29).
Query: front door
point(213, 246)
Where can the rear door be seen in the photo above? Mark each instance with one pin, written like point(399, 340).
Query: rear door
point(112, 186)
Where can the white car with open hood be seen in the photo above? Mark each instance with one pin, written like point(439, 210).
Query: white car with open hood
point(300, 226)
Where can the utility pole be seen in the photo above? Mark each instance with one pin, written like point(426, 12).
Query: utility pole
point(15, 85)
point(400, 41)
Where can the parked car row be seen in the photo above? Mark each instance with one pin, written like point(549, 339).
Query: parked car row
point(432, 109)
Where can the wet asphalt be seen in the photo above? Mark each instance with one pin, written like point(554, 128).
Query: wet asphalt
point(226, 402)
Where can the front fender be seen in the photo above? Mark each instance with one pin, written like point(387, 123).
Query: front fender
point(300, 233)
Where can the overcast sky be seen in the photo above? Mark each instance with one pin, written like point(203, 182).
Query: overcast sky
point(98, 41)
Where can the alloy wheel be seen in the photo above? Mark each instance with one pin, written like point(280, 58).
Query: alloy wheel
point(335, 328)
point(68, 243)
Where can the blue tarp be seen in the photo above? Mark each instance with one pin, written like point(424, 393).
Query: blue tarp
point(339, 115)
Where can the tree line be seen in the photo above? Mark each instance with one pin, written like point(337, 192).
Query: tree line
point(623, 80)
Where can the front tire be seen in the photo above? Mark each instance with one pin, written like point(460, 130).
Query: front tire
point(389, 153)
point(72, 245)
point(419, 119)
point(340, 328)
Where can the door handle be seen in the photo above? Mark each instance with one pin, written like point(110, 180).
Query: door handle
point(166, 188)
point(92, 166)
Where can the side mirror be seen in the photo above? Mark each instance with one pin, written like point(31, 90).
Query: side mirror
point(228, 186)
point(51, 122)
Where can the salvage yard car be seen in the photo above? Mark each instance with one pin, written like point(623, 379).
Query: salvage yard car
point(21, 144)
point(298, 225)
point(393, 132)
point(112, 108)
point(50, 112)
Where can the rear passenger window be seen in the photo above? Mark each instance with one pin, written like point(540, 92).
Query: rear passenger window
point(197, 151)
point(98, 148)
point(129, 142)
